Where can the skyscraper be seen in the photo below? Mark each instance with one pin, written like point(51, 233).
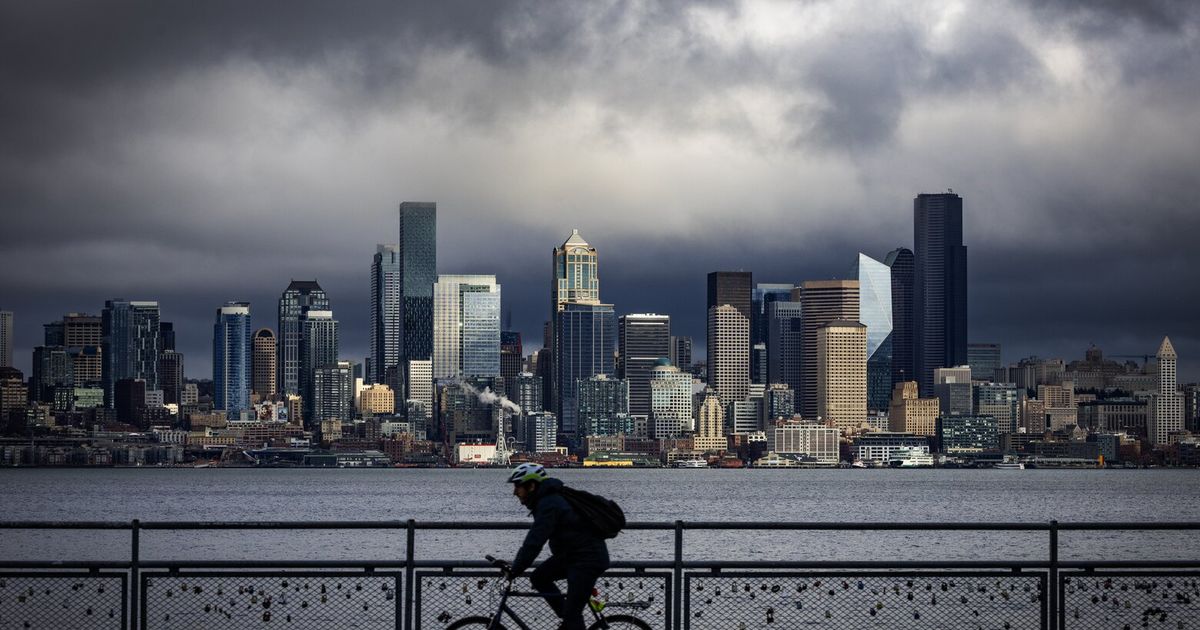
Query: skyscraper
point(940, 285)
point(6, 338)
point(875, 312)
point(670, 401)
point(681, 352)
point(821, 302)
point(642, 339)
point(602, 406)
point(466, 326)
point(902, 266)
point(332, 393)
point(262, 371)
point(384, 348)
point(762, 296)
point(710, 423)
point(728, 353)
point(420, 390)
point(785, 345)
point(984, 359)
point(300, 298)
point(83, 337)
point(575, 278)
point(1166, 405)
point(587, 337)
point(320, 349)
point(170, 376)
point(418, 273)
point(231, 358)
point(510, 357)
point(131, 345)
point(733, 288)
point(842, 374)
point(52, 370)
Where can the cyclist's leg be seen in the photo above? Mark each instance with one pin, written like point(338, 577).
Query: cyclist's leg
point(580, 582)
point(543, 579)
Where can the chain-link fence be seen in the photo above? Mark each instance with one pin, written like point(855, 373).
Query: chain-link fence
point(1125, 601)
point(57, 600)
point(287, 599)
point(741, 600)
point(444, 597)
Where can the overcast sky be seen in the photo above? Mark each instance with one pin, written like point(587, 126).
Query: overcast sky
point(195, 153)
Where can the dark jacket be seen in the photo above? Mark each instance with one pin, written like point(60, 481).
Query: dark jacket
point(555, 521)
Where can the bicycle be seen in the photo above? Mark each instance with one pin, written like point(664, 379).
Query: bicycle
point(595, 604)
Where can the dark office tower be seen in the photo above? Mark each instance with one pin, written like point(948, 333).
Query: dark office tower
point(418, 273)
point(733, 288)
point(385, 313)
point(984, 359)
point(301, 297)
point(166, 330)
point(131, 345)
point(511, 352)
point(320, 349)
point(900, 261)
point(785, 342)
point(52, 369)
point(6, 338)
point(821, 302)
point(587, 335)
point(526, 391)
point(262, 368)
point(760, 297)
point(82, 337)
point(170, 376)
point(940, 285)
point(231, 358)
point(642, 339)
point(54, 334)
point(129, 399)
point(681, 352)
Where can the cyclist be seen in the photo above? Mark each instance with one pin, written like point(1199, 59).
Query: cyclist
point(576, 553)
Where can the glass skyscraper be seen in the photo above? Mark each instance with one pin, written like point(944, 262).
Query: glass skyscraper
point(418, 273)
point(900, 261)
point(298, 300)
point(587, 338)
point(466, 327)
point(875, 311)
point(940, 285)
point(760, 297)
point(643, 339)
point(320, 349)
point(575, 278)
point(131, 344)
point(385, 313)
point(232, 358)
point(785, 342)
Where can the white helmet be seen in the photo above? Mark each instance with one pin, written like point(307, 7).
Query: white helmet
point(528, 472)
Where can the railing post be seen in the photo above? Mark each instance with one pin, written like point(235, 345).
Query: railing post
point(409, 572)
point(1052, 587)
point(135, 615)
point(677, 599)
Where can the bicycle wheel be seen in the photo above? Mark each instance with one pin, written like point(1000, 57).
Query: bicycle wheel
point(620, 622)
point(475, 623)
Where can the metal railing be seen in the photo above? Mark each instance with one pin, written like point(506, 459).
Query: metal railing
point(675, 594)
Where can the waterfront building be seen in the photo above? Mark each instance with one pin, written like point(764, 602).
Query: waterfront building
point(728, 353)
point(910, 414)
point(878, 447)
point(602, 405)
point(785, 342)
point(940, 285)
point(526, 391)
point(418, 273)
point(842, 375)
point(131, 344)
point(466, 326)
point(231, 358)
point(320, 349)
point(299, 299)
point(384, 329)
point(902, 264)
point(586, 342)
point(710, 423)
point(984, 359)
point(815, 442)
point(510, 357)
point(1166, 405)
point(962, 434)
point(377, 399)
point(52, 369)
point(6, 338)
point(642, 340)
point(821, 302)
point(541, 432)
point(681, 352)
point(1001, 401)
point(420, 390)
point(1060, 406)
point(875, 312)
point(953, 388)
point(670, 401)
point(263, 368)
point(575, 279)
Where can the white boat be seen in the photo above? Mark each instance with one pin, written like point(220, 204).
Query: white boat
point(858, 463)
point(911, 458)
point(691, 463)
point(1010, 463)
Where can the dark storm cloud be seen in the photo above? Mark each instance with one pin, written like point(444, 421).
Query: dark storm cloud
point(202, 152)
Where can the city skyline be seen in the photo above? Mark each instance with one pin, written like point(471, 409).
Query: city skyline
point(829, 120)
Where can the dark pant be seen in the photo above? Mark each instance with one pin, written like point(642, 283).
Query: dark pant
point(580, 581)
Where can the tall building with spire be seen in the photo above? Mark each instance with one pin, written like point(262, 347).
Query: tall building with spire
point(384, 333)
point(1166, 405)
point(574, 279)
point(232, 358)
point(299, 299)
point(939, 286)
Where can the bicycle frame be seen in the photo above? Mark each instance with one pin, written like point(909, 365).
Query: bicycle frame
point(504, 608)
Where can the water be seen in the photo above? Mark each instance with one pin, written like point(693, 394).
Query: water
point(646, 495)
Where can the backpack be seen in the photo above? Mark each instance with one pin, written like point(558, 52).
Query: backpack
point(603, 515)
